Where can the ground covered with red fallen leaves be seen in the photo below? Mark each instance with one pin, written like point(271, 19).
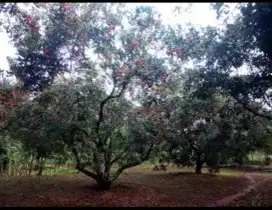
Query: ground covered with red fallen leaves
point(260, 197)
point(133, 189)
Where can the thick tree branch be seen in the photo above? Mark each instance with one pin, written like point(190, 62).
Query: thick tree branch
point(107, 156)
point(193, 147)
point(81, 168)
point(101, 109)
point(252, 110)
point(267, 100)
point(132, 164)
point(74, 129)
point(88, 173)
point(119, 156)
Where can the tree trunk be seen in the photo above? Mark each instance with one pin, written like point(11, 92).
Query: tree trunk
point(41, 166)
point(199, 165)
point(241, 161)
point(252, 161)
point(31, 165)
point(104, 182)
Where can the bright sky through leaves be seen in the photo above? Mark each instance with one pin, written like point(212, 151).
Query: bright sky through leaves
point(200, 15)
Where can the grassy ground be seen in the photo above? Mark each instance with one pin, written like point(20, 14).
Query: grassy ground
point(139, 186)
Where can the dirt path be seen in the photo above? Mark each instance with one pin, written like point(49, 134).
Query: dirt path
point(253, 184)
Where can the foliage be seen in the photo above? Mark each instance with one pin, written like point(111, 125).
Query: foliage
point(112, 88)
point(242, 47)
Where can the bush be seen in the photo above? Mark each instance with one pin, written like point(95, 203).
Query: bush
point(214, 170)
point(159, 168)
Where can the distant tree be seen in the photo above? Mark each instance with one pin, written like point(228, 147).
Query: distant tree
point(243, 45)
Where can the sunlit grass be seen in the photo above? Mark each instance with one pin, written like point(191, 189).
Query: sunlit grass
point(228, 172)
point(58, 171)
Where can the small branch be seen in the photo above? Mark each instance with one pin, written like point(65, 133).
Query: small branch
point(267, 100)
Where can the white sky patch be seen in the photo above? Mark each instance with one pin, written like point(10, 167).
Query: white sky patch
point(6, 50)
point(200, 14)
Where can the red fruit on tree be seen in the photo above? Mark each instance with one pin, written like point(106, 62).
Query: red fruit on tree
point(3, 116)
point(112, 27)
point(122, 70)
point(66, 7)
point(133, 44)
point(179, 52)
point(81, 35)
point(16, 94)
point(46, 52)
point(28, 20)
point(11, 102)
point(139, 61)
point(33, 27)
point(163, 78)
point(108, 37)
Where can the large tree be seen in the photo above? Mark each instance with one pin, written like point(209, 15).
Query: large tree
point(239, 59)
point(115, 58)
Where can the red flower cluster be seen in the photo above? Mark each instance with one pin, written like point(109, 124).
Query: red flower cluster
point(66, 7)
point(33, 27)
point(143, 110)
point(133, 44)
point(11, 101)
point(16, 94)
point(112, 27)
point(164, 78)
point(108, 37)
point(139, 61)
point(175, 51)
point(122, 70)
point(46, 52)
point(82, 35)
point(108, 32)
point(3, 116)
point(28, 20)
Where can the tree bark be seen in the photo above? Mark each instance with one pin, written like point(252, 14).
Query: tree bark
point(104, 182)
point(31, 165)
point(41, 166)
point(199, 165)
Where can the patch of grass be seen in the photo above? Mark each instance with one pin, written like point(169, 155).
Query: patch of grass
point(230, 172)
point(58, 171)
